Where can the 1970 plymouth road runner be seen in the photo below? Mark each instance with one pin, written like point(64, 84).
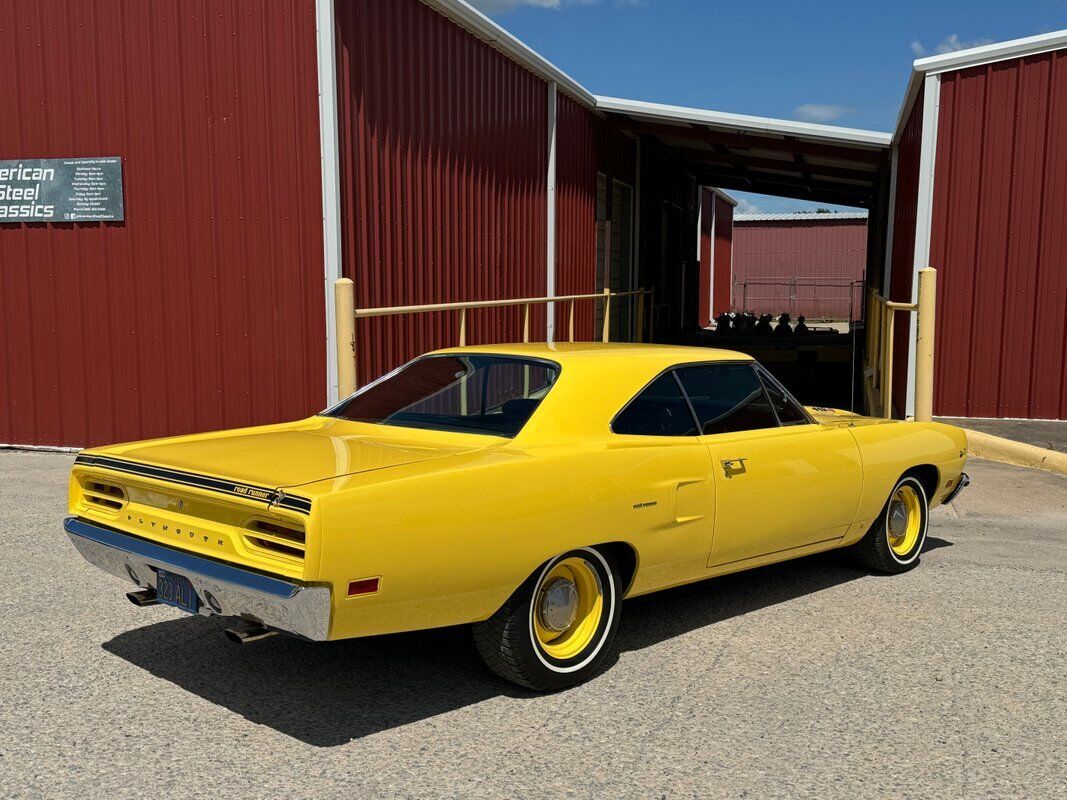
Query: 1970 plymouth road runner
point(526, 489)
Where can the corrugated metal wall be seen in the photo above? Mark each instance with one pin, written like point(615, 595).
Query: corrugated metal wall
point(824, 256)
point(576, 168)
point(443, 156)
point(903, 256)
point(723, 265)
point(204, 309)
point(707, 215)
point(1000, 240)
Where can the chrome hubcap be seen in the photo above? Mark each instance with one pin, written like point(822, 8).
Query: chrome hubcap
point(898, 519)
point(559, 605)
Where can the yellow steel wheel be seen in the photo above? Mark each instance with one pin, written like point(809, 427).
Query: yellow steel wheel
point(904, 522)
point(567, 608)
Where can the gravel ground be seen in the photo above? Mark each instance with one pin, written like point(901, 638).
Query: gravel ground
point(807, 679)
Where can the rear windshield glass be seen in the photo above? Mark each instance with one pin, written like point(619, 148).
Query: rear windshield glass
point(465, 393)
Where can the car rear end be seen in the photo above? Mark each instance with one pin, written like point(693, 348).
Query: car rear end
point(201, 543)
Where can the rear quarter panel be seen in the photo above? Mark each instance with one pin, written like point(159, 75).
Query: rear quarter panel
point(890, 450)
point(452, 542)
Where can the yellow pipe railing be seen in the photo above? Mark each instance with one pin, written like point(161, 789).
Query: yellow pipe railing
point(346, 314)
point(881, 314)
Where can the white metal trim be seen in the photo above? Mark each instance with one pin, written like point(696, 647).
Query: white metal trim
point(732, 201)
point(910, 93)
point(326, 55)
point(924, 213)
point(887, 270)
point(700, 215)
point(711, 260)
point(990, 53)
point(763, 125)
point(550, 228)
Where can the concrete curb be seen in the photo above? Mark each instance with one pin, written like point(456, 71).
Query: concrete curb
point(994, 448)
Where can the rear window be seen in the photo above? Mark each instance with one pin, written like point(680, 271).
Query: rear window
point(487, 394)
point(660, 410)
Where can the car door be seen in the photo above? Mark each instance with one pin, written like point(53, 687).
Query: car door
point(658, 464)
point(781, 480)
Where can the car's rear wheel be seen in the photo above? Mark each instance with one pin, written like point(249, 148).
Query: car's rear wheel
point(896, 538)
point(558, 627)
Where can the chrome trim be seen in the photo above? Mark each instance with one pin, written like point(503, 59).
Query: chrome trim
point(291, 607)
point(964, 482)
point(272, 497)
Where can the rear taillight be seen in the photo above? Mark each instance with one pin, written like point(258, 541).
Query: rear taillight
point(103, 495)
point(276, 537)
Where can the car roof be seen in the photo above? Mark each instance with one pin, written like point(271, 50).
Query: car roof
point(663, 355)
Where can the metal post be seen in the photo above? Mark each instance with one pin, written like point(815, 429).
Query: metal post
point(570, 321)
point(924, 346)
point(606, 332)
point(526, 323)
point(344, 294)
point(640, 332)
point(463, 327)
point(887, 368)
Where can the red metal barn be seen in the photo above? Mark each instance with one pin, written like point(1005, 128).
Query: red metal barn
point(716, 252)
point(415, 146)
point(203, 308)
point(809, 264)
point(981, 194)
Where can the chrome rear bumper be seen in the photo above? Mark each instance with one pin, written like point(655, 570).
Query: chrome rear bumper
point(224, 590)
point(963, 483)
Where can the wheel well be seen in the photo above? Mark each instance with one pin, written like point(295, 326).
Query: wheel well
point(624, 556)
point(929, 478)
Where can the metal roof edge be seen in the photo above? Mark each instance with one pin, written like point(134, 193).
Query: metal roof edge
point(799, 216)
point(973, 57)
point(989, 53)
point(915, 82)
point(729, 199)
point(477, 23)
point(722, 119)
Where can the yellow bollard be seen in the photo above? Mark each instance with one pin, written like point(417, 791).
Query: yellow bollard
point(605, 333)
point(344, 312)
point(924, 346)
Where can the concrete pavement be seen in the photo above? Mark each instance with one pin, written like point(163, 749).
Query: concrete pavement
point(806, 679)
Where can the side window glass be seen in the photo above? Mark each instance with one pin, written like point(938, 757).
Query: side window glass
point(727, 398)
point(659, 410)
point(789, 413)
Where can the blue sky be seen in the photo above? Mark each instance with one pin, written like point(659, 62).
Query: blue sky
point(842, 63)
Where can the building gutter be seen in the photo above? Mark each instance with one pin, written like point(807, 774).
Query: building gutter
point(329, 155)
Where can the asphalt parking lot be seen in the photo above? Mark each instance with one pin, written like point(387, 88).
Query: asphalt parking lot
point(806, 679)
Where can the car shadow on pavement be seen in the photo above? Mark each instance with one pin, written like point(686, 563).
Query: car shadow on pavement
point(327, 694)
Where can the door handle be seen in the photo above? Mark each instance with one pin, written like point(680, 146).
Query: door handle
point(732, 466)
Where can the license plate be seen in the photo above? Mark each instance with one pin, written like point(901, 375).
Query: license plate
point(176, 590)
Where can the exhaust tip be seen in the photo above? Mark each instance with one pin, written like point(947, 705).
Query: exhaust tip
point(247, 635)
point(144, 597)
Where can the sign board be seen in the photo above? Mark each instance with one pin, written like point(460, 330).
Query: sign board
point(61, 190)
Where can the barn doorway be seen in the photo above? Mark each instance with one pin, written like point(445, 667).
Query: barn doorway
point(690, 161)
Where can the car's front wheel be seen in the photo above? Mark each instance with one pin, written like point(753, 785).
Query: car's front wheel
point(896, 538)
point(556, 630)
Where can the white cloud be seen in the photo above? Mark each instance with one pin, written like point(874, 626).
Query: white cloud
point(950, 44)
point(819, 112)
point(745, 207)
point(501, 6)
point(497, 6)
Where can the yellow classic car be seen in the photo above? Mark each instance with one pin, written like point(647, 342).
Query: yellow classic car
point(523, 489)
